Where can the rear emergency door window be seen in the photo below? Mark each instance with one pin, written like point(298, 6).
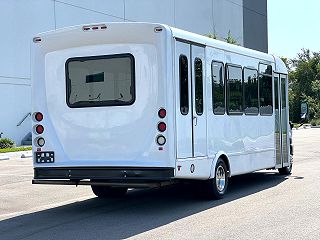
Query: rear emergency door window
point(100, 81)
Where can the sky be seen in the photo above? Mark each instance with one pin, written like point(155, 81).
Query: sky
point(293, 25)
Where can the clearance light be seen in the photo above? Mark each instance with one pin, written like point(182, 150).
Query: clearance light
point(162, 113)
point(161, 140)
point(39, 129)
point(162, 126)
point(94, 27)
point(38, 116)
point(36, 39)
point(41, 141)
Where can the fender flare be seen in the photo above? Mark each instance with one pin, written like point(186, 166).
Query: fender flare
point(214, 162)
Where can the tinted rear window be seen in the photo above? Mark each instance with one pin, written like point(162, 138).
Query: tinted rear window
point(100, 81)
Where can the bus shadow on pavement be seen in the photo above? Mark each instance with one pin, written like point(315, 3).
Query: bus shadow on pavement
point(138, 212)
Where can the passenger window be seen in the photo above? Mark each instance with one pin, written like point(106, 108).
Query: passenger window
point(218, 102)
point(265, 89)
point(198, 86)
point(250, 91)
point(184, 93)
point(234, 90)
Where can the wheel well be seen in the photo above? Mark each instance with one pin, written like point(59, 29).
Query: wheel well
point(226, 161)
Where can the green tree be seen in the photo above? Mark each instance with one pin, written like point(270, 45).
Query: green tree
point(228, 39)
point(304, 83)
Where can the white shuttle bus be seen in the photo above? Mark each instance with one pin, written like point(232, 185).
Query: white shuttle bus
point(128, 105)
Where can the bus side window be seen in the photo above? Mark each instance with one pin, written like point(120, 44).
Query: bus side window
point(234, 90)
point(250, 91)
point(198, 86)
point(265, 89)
point(218, 93)
point(184, 93)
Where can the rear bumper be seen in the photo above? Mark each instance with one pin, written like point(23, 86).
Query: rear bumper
point(105, 174)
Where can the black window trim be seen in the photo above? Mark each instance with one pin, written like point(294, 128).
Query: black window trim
point(122, 55)
point(226, 92)
point(195, 82)
point(224, 87)
point(268, 75)
point(243, 92)
point(183, 55)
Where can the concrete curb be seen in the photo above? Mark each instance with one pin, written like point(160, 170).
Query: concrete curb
point(21, 154)
point(4, 158)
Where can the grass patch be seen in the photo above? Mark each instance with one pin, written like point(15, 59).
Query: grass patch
point(15, 149)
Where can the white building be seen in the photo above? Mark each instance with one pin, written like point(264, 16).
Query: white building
point(23, 19)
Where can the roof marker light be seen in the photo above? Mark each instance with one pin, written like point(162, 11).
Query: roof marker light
point(36, 39)
point(158, 29)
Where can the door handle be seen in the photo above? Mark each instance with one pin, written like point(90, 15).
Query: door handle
point(195, 121)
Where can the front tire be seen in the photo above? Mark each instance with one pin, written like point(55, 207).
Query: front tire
point(109, 192)
point(216, 187)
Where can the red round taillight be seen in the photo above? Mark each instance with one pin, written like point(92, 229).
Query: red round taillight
point(38, 116)
point(162, 126)
point(39, 129)
point(162, 113)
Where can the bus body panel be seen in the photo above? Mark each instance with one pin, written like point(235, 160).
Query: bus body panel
point(125, 136)
point(106, 135)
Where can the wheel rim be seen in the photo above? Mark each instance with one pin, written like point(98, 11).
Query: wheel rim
point(220, 178)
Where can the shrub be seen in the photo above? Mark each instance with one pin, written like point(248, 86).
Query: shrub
point(6, 143)
point(315, 122)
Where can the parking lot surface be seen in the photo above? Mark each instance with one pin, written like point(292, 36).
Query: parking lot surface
point(261, 205)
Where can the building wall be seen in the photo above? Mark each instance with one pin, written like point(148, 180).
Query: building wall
point(23, 19)
point(255, 25)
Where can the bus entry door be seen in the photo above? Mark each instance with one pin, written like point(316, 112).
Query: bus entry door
point(190, 100)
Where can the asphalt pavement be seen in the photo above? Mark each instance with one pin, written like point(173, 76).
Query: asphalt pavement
point(260, 205)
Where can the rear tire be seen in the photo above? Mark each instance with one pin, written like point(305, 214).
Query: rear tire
point(216, 187)
point(285, 170)
point(109, 192)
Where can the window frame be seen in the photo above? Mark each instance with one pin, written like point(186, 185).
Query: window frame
point(272, 87)
point(188, 105)
point(195, 87)
point(243, 91)
point(226, 89)
point(111, 56)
